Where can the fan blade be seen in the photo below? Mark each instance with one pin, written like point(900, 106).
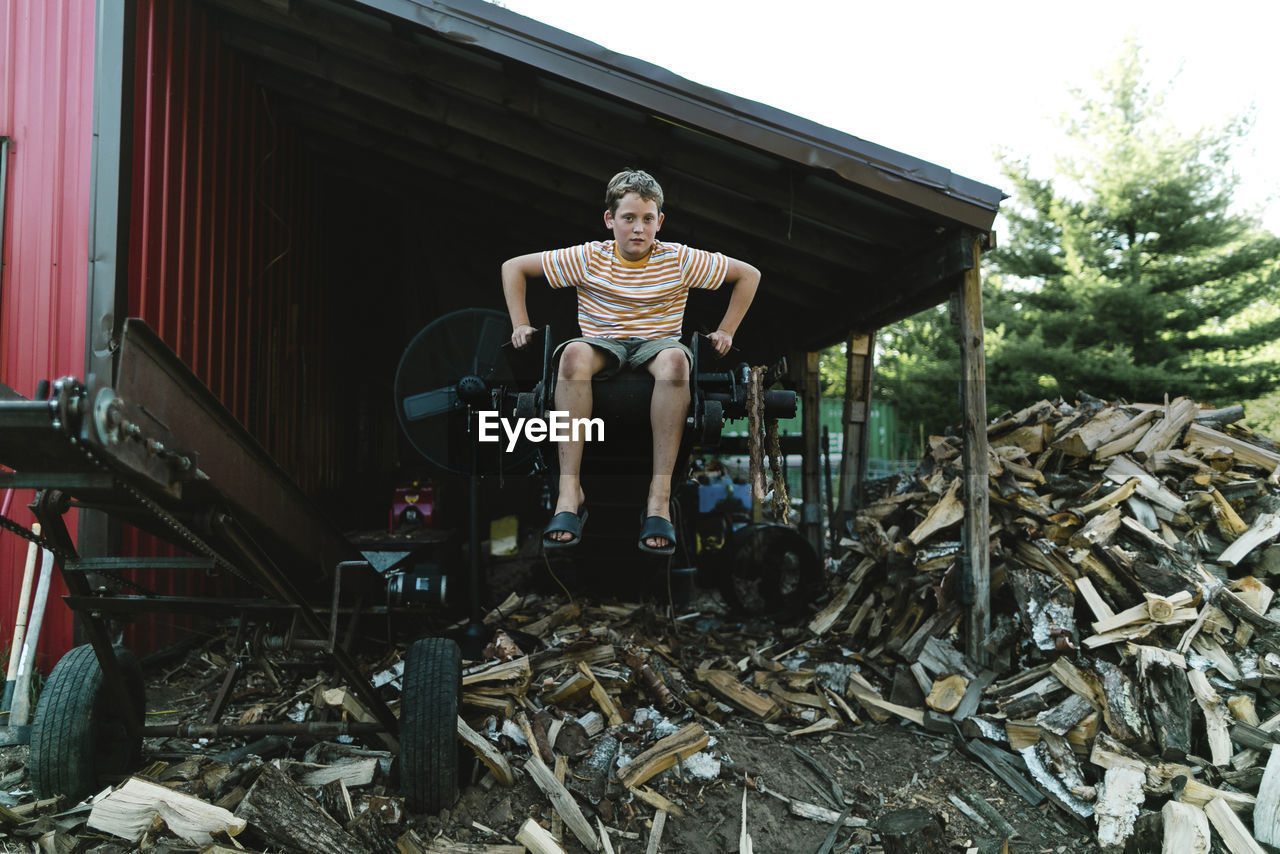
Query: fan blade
point(493, 332)
point(429, 403)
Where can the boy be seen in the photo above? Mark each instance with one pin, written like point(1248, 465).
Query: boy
point(631, 299)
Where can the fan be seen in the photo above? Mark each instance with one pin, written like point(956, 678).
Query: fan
point(451, 369)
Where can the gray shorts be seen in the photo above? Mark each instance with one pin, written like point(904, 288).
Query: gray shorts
point(628, 352)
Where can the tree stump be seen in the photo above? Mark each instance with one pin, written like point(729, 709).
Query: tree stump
point(913, 831)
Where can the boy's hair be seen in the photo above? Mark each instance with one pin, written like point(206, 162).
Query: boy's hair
point(632, 181)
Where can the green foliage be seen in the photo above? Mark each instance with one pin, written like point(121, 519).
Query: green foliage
point(1125, 274)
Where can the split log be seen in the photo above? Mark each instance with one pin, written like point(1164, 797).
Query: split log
point(355, 773)
point(1234, 835)
point(1047, 606)
point(1266, 812)
point(489, 755)
point(664, 754)
point(1162, 676)
point(911, 831)
point(1081, 441)
point(727, 687)
point(948, 511)
point(1149, 486)
point(1126, 436)
point(1035, 758)
point(1167, 429)
point(826, 618)
point(655, 833)
point(129, 811)
point(288, 818)
point(538, 839)
point(1099, 530)
point(984, 808)
point(1215, 716)
point(601, 696)
point(1186, 829)
point(1119, 798)
point(946, 693)
point(1230, 525)
point(562, 802)
point(1061, 718)
point(1201, 438)
point(1122, 708)
point(1001, 765)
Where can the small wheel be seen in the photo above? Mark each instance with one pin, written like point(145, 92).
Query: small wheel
point(79, 739)
point(428, 724)
point(767, 568)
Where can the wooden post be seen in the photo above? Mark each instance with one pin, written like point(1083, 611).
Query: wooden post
point(810, 480)
point(976, 523)
point(854, 419)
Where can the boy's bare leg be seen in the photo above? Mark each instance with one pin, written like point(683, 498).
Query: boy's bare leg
point(579, 362)
point(667, 411)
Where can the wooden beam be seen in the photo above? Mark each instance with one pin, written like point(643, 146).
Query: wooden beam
point(810, 482)
point(855, 418)
point(975, 526)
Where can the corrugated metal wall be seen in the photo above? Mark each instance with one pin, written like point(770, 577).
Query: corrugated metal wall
point(224, 248)
point(46, 108)
point(223, 256)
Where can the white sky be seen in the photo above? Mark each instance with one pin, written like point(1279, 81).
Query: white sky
point(951, 82)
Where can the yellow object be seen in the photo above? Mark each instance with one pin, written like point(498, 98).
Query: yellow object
point(503, 538)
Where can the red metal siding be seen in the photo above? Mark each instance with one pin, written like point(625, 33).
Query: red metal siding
point(46, 108)
point(223, 249)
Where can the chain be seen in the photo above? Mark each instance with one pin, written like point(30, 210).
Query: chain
point(194, 542)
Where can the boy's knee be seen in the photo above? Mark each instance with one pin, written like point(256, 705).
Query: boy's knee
point(577, 361)
point(671, 364)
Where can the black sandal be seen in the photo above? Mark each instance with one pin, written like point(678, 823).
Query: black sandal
point(568, 522)
point(656, 526)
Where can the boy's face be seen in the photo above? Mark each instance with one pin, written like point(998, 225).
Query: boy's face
point(634, 225)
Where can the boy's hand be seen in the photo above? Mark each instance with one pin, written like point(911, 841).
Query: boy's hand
point(721, 341)
point(521, 334)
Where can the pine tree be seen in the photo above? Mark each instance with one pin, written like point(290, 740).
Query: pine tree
point(1128, 273)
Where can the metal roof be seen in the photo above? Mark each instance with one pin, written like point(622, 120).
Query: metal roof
point(487, 110)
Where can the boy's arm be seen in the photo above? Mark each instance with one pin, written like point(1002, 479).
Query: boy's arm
point(515, 273)
point(745, 279)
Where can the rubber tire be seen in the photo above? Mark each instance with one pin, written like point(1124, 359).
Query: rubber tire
point(428, 725)
point(79, 742)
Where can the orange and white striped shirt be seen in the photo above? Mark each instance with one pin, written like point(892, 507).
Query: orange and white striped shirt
point(618, 298)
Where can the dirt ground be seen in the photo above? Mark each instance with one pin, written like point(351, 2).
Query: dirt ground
point(877, 768)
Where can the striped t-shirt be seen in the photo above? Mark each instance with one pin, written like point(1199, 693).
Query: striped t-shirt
point(618, 298)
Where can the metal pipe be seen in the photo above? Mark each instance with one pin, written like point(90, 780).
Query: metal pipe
point(321, 729)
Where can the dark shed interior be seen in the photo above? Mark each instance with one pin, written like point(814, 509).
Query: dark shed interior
point(428, 141)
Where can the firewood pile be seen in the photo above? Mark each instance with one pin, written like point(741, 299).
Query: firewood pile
point(1131, 686)
point(1133, 672)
